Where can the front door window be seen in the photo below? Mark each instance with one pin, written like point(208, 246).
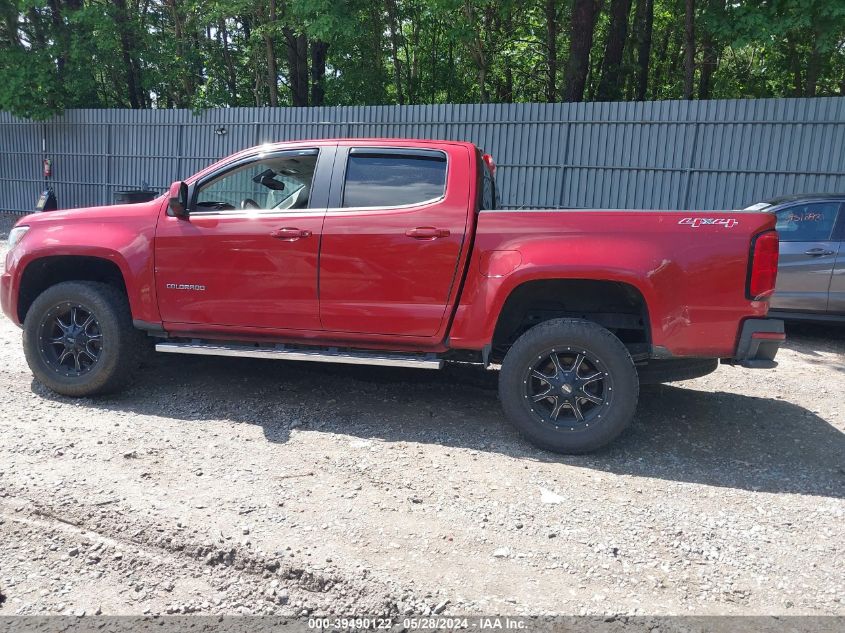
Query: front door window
point(271, 184)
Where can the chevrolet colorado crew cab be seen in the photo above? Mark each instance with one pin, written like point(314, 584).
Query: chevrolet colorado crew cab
point(392, 252)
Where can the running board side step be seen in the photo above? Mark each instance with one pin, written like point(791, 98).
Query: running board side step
point(282, 352)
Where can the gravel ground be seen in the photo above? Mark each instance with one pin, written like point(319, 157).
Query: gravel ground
point(227, 486)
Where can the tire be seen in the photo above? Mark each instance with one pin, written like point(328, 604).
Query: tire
point(75, 359)
point(659, 371)
point(521, 390)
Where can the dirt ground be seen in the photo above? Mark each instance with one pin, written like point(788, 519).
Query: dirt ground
point(226, 486)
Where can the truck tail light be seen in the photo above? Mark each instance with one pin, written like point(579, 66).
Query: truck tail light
point(763, 268)
point(491, 164)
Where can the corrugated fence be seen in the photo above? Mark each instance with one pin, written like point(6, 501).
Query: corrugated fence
point(661, 155)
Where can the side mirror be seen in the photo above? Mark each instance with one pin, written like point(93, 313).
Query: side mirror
point(178, 205)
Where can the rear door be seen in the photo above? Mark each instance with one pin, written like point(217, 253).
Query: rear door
point(807, 255)
point(392, 238)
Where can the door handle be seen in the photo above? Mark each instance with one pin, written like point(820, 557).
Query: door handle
point(817, 252)
point(427, 233)
point(289, 234)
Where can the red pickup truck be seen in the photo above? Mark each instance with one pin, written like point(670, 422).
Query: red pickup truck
point(392, 252)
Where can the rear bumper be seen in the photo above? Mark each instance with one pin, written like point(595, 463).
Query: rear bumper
point(759, 342)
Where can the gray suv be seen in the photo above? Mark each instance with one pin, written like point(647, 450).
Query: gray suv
point(811, 272)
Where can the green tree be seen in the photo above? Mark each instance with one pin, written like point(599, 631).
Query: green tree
point(57, 54)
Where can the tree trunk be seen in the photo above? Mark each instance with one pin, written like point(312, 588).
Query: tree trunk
point(231, 75)
point(638, 34)
point(318, 72)
point(392, 22)
point(477, 51)
point(584, 15)
point(61, 35)
point(451, 66)
point(689, 49)
point(272, 65)
point(297, 52)
point(795, 67)
point(302, 68)
point(504, 79)
point(435, 53)
point(551, 51)
point(182, 94)
point(674, 58)
point(708, 66)
point(257, 88)
point(84, 92)
point(133, 88)
point(709, 50)
point(645, 70)
point(507, 91)
point(610, 85)
point(644, 48)
point(413, 57)
point(814, 64)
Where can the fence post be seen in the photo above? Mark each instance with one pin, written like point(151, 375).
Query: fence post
point(109, 156)
point(562, 202)
point(690, 167)
point(179, 151)
point(43, 157)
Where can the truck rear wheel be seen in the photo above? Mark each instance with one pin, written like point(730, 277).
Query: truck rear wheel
point(79, 340)
point(569, 386)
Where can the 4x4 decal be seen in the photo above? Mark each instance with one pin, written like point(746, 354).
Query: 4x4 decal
point(728, 223)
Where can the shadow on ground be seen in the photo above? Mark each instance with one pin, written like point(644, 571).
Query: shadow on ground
point(820, 343)
point(684, 435)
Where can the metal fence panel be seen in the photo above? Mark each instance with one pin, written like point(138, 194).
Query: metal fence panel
point(660, 155)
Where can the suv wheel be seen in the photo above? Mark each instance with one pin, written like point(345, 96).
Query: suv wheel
point(569, 386)
point(79, 339)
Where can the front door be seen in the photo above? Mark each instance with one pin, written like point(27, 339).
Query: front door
point(390, 249)
point(807, 256)
point(246, 256)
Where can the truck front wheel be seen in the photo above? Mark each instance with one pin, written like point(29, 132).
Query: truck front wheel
point(569, 386)
point(79, 340)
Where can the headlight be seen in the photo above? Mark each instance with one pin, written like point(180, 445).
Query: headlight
point(16, 234)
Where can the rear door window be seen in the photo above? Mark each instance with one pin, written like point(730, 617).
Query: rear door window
point(393, 178)
point(810, 222)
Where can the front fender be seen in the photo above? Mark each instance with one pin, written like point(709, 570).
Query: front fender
point(126, 241)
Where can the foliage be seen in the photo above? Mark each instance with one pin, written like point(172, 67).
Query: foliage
point(57, 54)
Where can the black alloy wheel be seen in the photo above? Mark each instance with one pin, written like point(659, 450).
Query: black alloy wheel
point(569, 385)
point(568, 389)
point(79, 339)
point(70, 339)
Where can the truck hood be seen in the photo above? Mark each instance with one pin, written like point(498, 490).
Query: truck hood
point(105, 214)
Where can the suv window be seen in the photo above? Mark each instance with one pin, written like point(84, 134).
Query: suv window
point(394, 178)
point(811, 222)
point(273, 183)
